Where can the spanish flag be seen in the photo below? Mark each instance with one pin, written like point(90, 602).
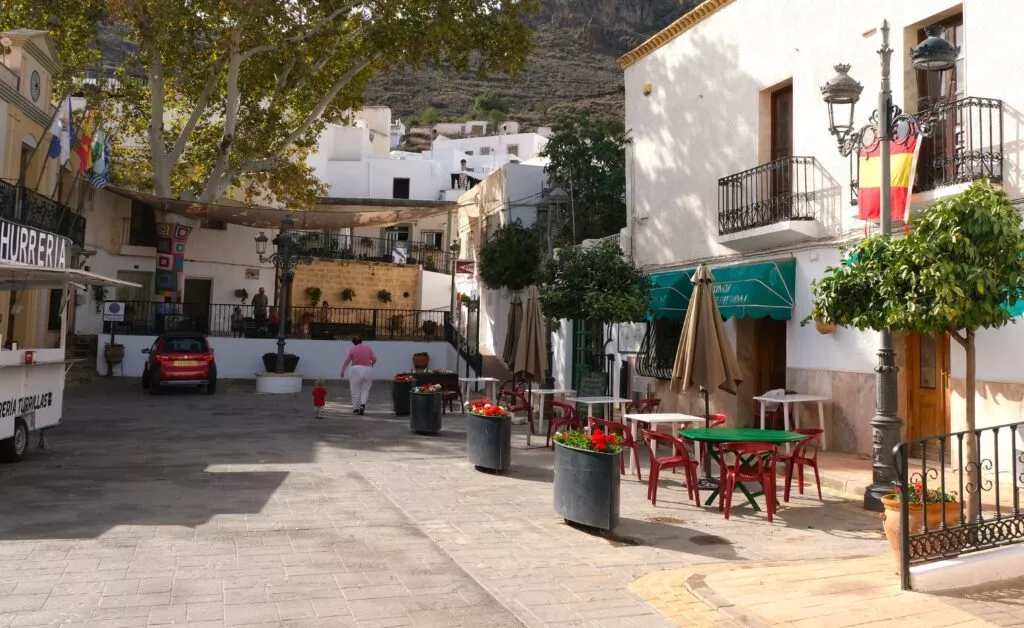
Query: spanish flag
point(904, 158)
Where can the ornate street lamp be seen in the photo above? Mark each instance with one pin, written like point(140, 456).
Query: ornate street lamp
point(290, 253)
point(887, 122)
point(453, 256)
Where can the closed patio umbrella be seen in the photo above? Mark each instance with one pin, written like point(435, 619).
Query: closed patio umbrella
point(515, 321)
point(705, 359)
point(531, 350)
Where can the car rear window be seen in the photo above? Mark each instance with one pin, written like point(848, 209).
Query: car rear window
point(185, 345)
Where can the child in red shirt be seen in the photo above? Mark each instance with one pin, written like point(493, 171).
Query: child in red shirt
point(319, 397)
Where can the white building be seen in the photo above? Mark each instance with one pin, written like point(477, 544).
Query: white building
point(732, 165)
point(484, 155)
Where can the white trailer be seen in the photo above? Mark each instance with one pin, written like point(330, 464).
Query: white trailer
point(32, 379)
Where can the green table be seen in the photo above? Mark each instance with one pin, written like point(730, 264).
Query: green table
point(719, 435)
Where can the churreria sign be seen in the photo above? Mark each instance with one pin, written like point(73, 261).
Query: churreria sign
point(28, 245)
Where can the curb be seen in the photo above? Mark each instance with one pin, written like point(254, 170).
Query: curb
point(697, 586)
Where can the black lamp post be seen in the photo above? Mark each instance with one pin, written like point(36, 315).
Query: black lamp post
point(453, 256)
point(290, 253)
point(841, 94)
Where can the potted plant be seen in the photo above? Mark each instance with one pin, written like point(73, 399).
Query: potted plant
point(425, 409)
point(401, 386)
point(920, 506)
point(384, 296)
point(429, 328)
point(242, 294)
point(113, 353)
point(823, 327)
point(313, 292)
point(465, 299)
point(291, 362)
point(488, 435)
point(586, 485)
point(421, 360)
point(348, 294)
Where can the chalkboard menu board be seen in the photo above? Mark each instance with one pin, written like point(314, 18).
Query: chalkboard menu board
point(592, 385)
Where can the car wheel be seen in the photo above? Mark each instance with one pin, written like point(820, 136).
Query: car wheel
point(13, 449)
point(211, 384)
point(145, 378)
point(154, 388)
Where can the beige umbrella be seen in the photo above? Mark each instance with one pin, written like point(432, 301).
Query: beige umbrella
point(515, 321)
point(531, 356)
point(704, 359)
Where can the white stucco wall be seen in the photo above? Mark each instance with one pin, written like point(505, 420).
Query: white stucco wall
point(435, 291)
point(374, 178)
point(241, 358)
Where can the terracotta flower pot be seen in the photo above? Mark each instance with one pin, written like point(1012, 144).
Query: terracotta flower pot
point(420, 361)
point(916, 514)
point(113, 353)
point(824, 328)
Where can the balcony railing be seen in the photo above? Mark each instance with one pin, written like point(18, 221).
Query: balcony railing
point(32, 209)
point(995, 482)
point(790, 188)
point(149, 318)
point(335, 244)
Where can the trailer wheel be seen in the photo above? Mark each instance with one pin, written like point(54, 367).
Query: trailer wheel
point(13, 449)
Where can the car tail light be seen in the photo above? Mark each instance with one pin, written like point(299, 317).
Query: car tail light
point(161, 358)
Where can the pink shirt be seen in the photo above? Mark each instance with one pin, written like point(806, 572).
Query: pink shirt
point(361, 355)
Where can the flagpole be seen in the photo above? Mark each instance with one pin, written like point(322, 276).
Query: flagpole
point(42, 137)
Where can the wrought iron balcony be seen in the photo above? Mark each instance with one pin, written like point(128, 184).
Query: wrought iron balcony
point(336, 244)
point(30, 208)
point(787, 190)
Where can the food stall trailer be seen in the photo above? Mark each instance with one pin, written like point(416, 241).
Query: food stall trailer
point(31, 378)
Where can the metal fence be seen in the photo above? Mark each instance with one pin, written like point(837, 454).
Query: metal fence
point(966, 143)
point(336, 244)
point(790, 188)
point(149, 318)
point(993, 479)
point(28, 207)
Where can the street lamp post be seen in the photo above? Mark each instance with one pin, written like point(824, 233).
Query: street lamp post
point(556, 198)
point(453, 257)
point(289, 254)
point(841, 94)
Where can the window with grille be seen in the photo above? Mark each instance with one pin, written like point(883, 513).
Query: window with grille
point(658, 350)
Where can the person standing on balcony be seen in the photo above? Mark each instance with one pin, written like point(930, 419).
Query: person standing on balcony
point(259, 308)
point(361, 359)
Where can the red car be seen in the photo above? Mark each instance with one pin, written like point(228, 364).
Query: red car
point(180, 359)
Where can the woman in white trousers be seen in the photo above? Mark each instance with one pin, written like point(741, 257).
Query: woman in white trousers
point(361, 359)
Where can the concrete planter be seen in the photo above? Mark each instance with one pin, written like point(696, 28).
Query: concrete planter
point(400, 392)
point(425, 408)
point(586, 487)
point(278, 384)
point(489, 441)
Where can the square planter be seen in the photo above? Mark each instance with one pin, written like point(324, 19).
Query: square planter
point(425, 408)
point(400, 392)
point(586, 487)
point(489, 441)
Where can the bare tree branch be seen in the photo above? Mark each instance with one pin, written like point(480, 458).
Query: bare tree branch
point(232, 102)
point(200, 108)
point(955, 333)
point(313, 30)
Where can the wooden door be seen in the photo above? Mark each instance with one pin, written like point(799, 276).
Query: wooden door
point(782, 148)
point(927, 386)
point(196, 306)
point(770, 357)
point(941, 157)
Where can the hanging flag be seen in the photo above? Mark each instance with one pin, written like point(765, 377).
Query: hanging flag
point(85, 146)
point(97, 143)
point(67, 133)
point(903, 159)
point(101, 164)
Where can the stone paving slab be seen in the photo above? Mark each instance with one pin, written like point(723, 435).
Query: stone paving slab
point(239, 510)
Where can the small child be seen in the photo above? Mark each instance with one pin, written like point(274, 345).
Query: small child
point(319, 396)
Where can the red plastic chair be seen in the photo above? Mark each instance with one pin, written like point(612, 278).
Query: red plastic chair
point(450, 391)
point(751, 462)
point(613, 427)
point(516, 402)
point(805, 453)
point(649, 406)
point(679, 458)
point(561, 415)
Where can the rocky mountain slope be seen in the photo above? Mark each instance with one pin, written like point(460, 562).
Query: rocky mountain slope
point(578, 42)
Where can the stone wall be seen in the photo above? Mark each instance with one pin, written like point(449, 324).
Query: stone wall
point(365, 278)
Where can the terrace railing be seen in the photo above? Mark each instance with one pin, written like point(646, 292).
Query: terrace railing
point(335, 244)
point(994, 480)
point(149, 318)
point(790, 188)
point(28, 207)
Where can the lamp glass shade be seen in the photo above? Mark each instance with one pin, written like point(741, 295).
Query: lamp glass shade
point(841, 93)
point(934, 54)
point(261, 243)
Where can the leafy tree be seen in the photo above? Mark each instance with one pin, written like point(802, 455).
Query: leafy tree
point(587, 157)
point(596, 284)
point(430, 115)
point(238, 90)
point(72, 24)
point(959, 270)
point(510, 258)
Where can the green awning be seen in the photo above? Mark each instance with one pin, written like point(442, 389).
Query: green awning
point(764, 289)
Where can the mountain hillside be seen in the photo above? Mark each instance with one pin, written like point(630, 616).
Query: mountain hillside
point(578, 42)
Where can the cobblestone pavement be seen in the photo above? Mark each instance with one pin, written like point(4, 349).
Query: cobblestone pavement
point(239, 509)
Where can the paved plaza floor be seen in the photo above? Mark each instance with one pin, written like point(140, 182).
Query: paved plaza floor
point(240, 510)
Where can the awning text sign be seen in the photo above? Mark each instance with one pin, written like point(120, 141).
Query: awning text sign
point(34, 247)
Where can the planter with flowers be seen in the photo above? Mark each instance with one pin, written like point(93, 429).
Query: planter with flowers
point(919, 506)
point(401, 387)
point(425, 408)
point(586, 483)
point(488, 435)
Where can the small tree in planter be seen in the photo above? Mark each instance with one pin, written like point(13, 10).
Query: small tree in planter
point(488, 435)
point(425, 406)
point(586, 483)
point(960, 269)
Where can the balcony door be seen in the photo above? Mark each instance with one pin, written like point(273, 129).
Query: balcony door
point(942, 157)
point(780, 177)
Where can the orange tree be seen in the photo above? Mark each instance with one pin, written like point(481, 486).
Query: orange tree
point(960, 269)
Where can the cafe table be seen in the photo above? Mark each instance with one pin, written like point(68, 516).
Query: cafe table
point(794, 399)
point(590, 402)
point(673, 419)
point(718, 435)
point(491, 383)
point(540, 393)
